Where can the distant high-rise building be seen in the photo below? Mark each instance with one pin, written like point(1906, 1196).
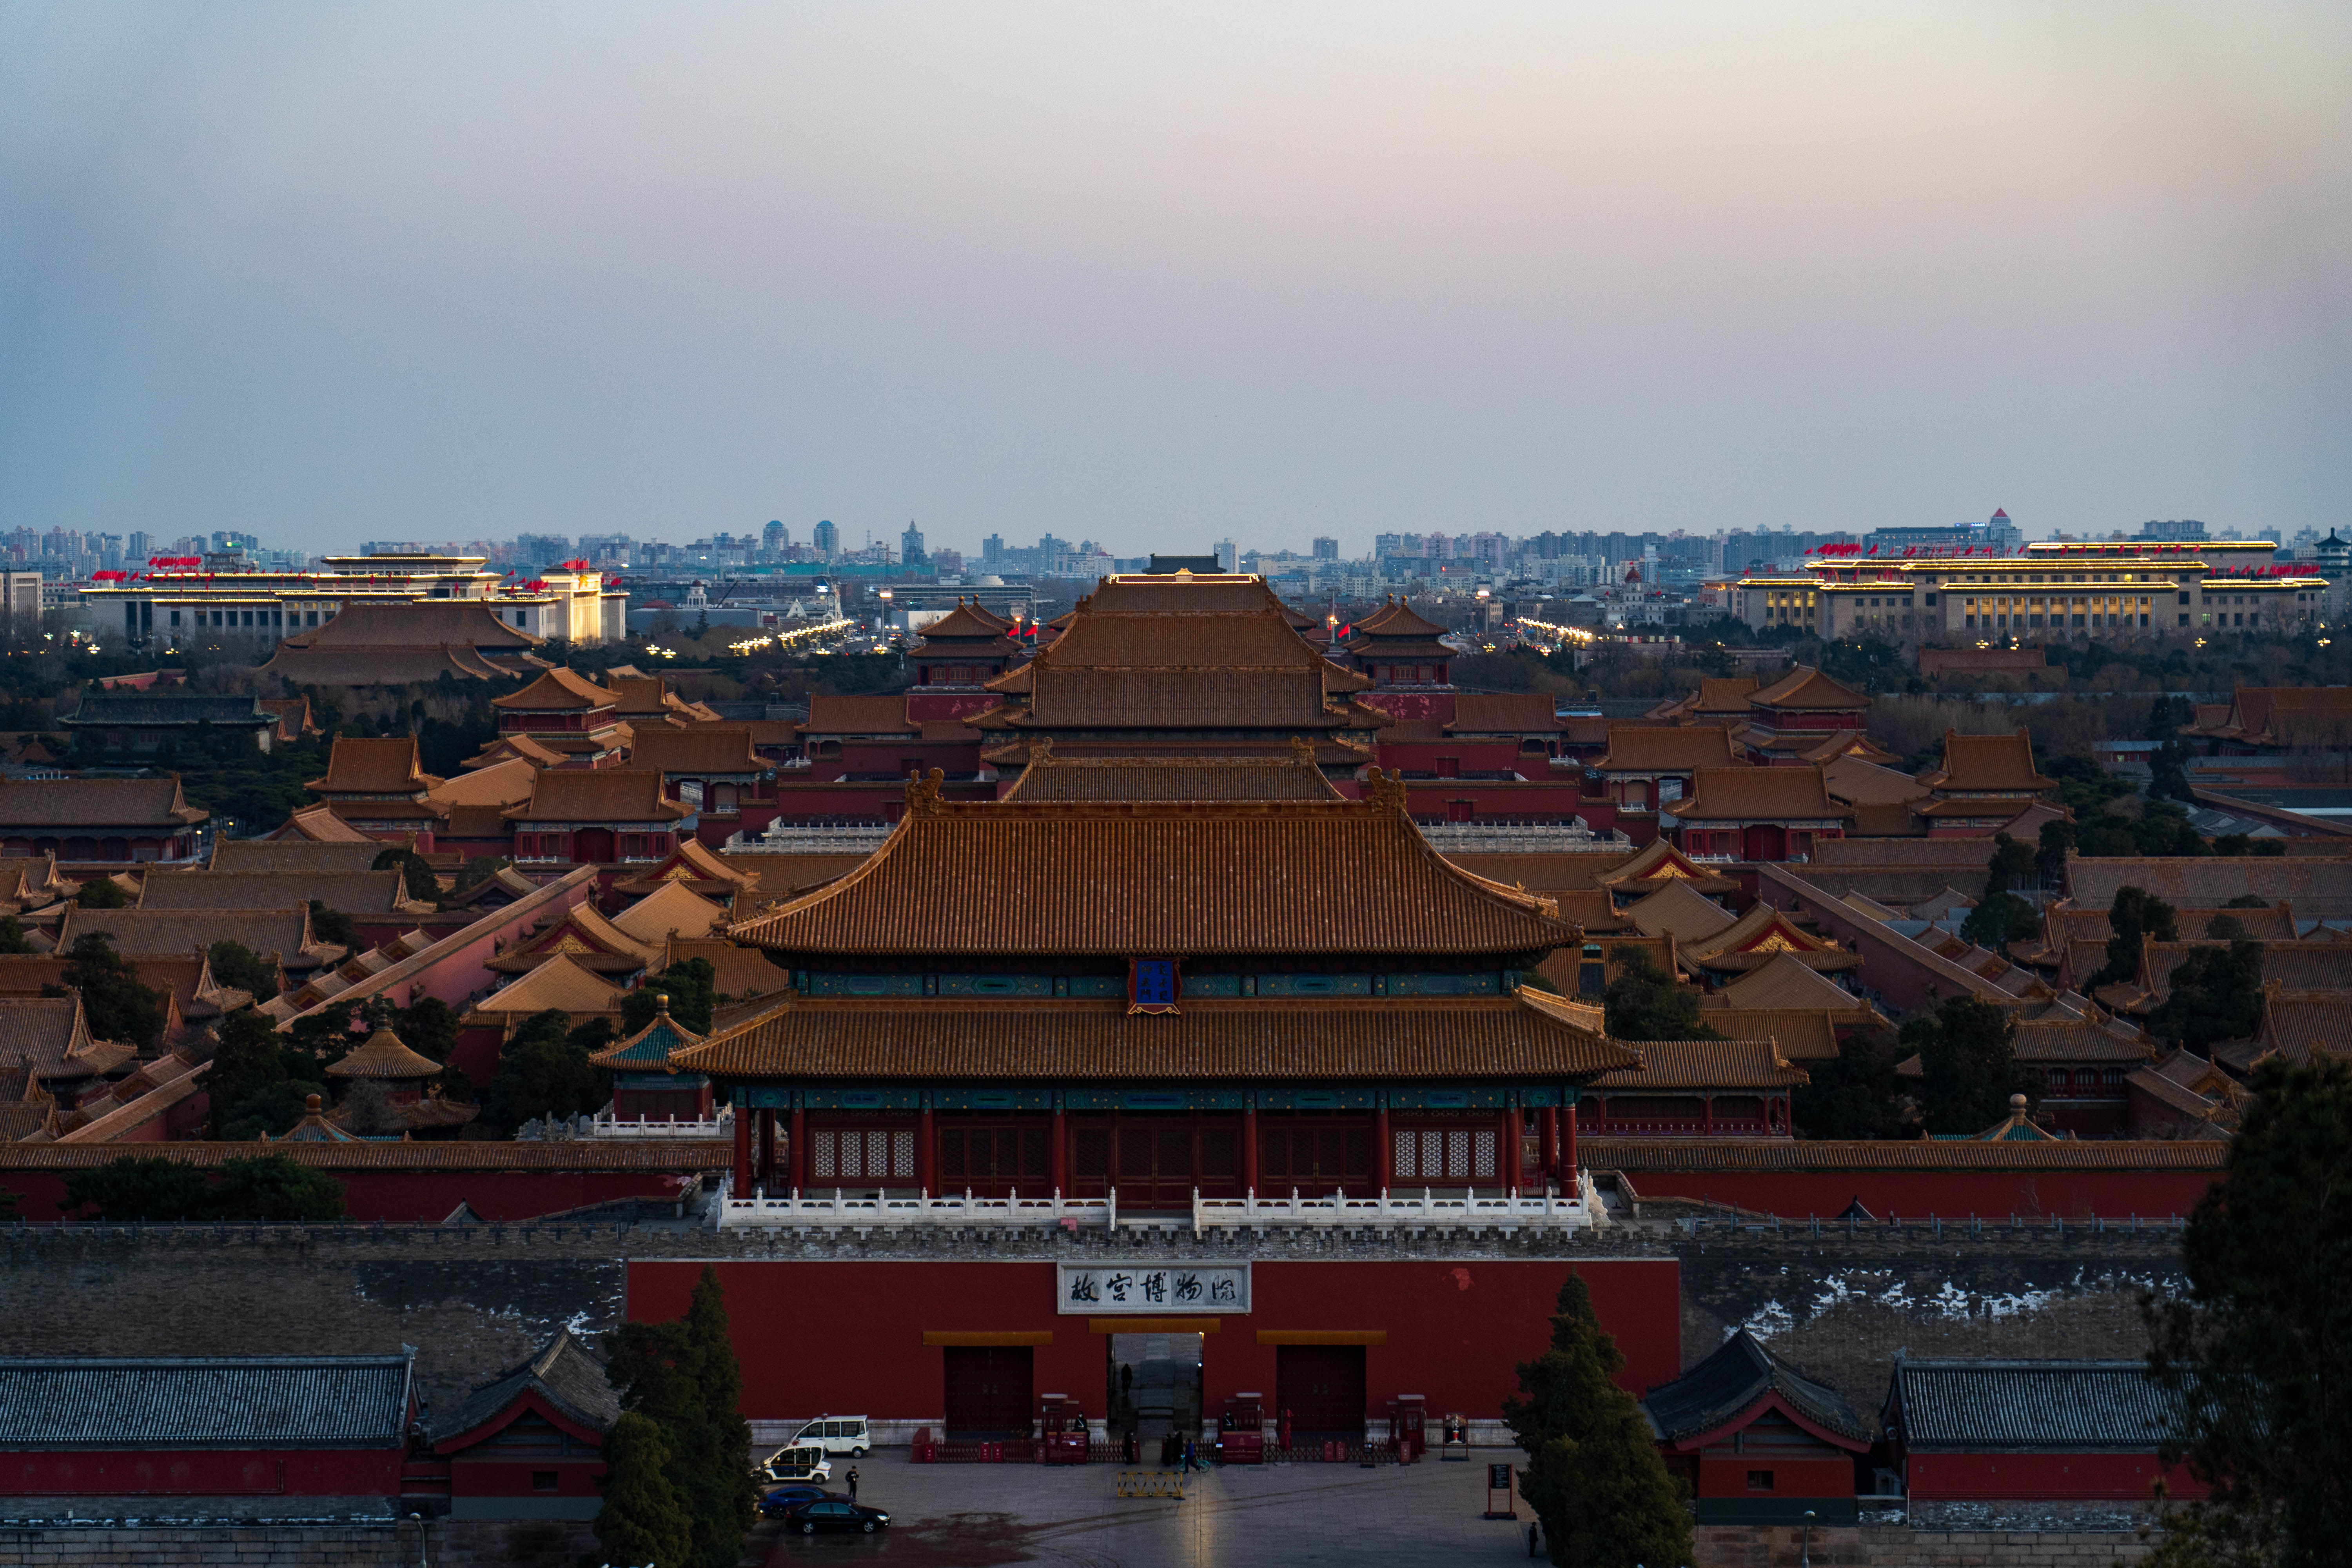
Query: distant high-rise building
point(911, 546)
point(1327, 549)
point(140, 546)
point(1228, 555)
point(827, 540)
point(1387, 544)
point(776, 539)
point(2176, 529)
point(991, 551)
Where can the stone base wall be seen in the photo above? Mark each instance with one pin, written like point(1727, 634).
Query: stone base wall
point(530, 1544)
point(1899, 1546)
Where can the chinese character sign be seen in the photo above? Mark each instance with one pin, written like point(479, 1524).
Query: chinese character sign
point(1151, 985)
point(1152, 1289)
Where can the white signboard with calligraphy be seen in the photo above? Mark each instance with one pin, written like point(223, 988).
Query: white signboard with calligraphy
point(1149, 1290)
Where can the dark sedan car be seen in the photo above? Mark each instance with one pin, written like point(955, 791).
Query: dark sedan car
point(777, 1501)
point(834, 1513)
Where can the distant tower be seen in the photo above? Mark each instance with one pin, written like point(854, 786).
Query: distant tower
point(827, 540)
point(774, 540)
point(1327, 550)
point(1228, 555)
point(911, 546)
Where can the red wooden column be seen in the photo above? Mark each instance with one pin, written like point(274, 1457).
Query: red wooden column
point(1249, 1149)
point(1551, 1143)
point(768, 1148)
point(927, 1148)
point(1059, 1152)
point(1508, 1167)
point(742, 1172)
point(1568, 1180)
point(796, 1149)
point(1383, 1153)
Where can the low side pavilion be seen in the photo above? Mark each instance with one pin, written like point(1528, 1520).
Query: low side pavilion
point(1162, 1000)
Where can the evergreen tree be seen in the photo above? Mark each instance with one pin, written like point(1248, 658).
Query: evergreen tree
point(642, 1521)
point(2011, 866)
point(1971, 1068)
point(1645, 1003)
point(2049, 857)
point(728, 1499)
point(115, 1004)
point(660, 1369)
point(2257, 1348)
point(415, 873)
point(691, 988)
point(1853, 1096)
point(272, 1187)
point(333, 926)
point(2217, 994)
point(2136, 913)
point(1999, 918)
point(1593, 1474)
point(543, 1071)
point(103, 893)
point(12, 936)
point(247, 1063)
point(238, 966)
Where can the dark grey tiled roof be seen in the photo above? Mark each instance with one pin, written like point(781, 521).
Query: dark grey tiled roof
point(1736, 1377)
point(146, 708)
point(2008, 1406)
point(562, 1371)
point(250, 1401)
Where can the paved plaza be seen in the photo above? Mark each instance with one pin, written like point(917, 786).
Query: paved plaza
point(1298, 1516)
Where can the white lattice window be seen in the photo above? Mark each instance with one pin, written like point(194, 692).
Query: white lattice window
point(1484, 1165)
point(1457, 1154)
point(821, 1157)
point(1407, 1166)
point(902, 1154)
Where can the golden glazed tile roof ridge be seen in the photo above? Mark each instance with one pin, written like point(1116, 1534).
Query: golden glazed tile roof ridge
point(1993, 764)
point(384, 1055)
point(558, 985)
point(499, 783)
point(367, 764)
point(1674, 907)
point(672, 909)
point(1657, 748)
point(1172, 878)
point(1051, 777)
point(558, 689)
point(597, 795)
point(1749, 794)
point(705, 748)
point(1705, 1064)
point(1659, 862)
point(1805, 688)
point(1526, 1032)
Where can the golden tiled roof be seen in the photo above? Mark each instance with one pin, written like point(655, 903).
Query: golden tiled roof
point(1988, 762)
point(1659, 862)
point(558, 689)
point(671, 909)
point(1807, 689)
point(596, 795)
point(1792, 983)
point(383, 1055)
point(1802, 1035)
point(559, 984)
point(1797, 793)
point(1657, 748)
point(36, 804)
point(1675, 909)
point(1292, 776)
point(1158, 878)
point(1668, 1065)
point(1526, 1032)
point(497, 783)
point(704, 749)
point(362, 764)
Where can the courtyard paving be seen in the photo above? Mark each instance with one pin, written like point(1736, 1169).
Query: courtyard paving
point(1299, 1516)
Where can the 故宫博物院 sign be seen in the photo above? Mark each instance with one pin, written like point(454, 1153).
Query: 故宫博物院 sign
point(1152, 1289)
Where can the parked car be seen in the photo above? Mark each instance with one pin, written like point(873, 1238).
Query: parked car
point(835, 1513)
point(837, 1435)
point(777, 1501)
point(797, 1462)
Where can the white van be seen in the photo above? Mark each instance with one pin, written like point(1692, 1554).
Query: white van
point(836, 1434)
point(804, 1463)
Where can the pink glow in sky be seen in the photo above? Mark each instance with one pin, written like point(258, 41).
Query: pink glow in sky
point(333, 273)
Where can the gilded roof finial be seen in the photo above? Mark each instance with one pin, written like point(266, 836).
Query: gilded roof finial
point(923, 793)
point(1385, 790)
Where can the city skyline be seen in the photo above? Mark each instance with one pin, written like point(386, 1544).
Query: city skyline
point(348, 276)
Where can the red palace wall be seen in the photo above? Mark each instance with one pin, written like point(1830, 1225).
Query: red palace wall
point(1950, 1195)
point(1993, 1476)
point(1453, 1331)
point(291, 1472)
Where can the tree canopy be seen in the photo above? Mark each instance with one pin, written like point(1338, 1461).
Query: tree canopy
point(1593, 1474)
point(1969, 1067)
point(642, 1519)
point(237, 965)
point(267, 1188)
point(1856, 1096)
point(543, 1071)
point(683, 1376)
point(2217, 994)
point(691, 988)
point(1645, 1003)
point(2258, 1347)
point(2136, 914)
point(115, 1004)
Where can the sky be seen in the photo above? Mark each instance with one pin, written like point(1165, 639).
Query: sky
point(1160, 275)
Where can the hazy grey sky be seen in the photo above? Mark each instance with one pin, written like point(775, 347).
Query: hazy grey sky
point(334, 272)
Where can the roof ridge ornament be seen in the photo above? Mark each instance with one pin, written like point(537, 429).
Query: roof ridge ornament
point(1385, 790)
point(923, 793)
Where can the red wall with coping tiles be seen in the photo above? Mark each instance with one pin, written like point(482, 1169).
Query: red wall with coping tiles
point(1455, 1330)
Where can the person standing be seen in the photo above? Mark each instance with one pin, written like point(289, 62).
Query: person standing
point(852, 1480)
